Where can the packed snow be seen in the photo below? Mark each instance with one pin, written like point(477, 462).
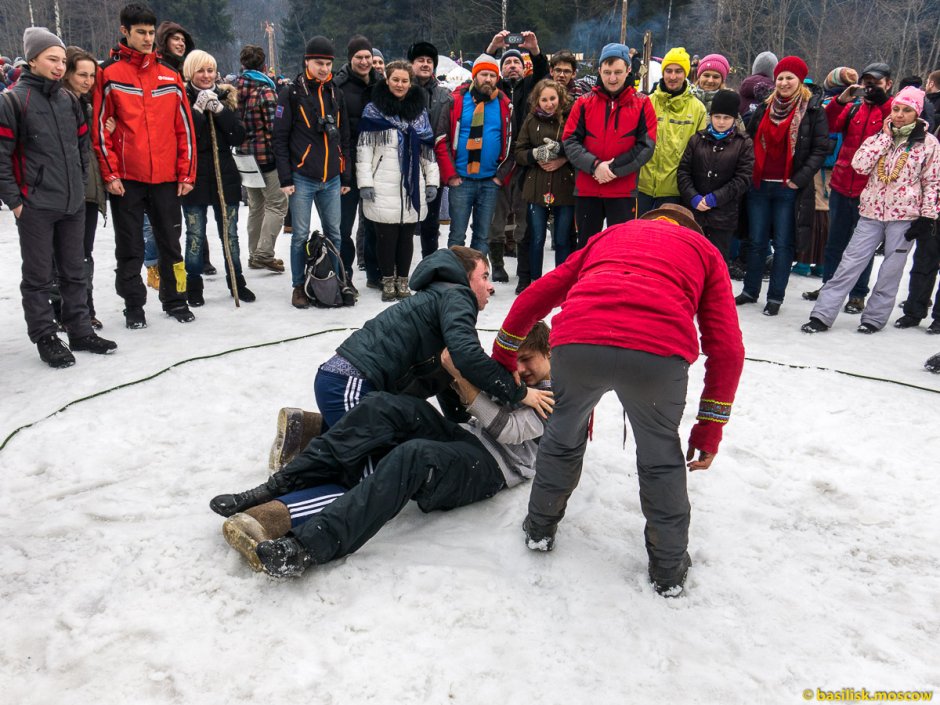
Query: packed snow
point(814, 534)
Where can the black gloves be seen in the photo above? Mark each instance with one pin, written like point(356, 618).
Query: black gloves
point(919, 228)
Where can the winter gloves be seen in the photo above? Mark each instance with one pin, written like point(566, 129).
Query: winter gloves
point(367, 193)
point(548, 151)
point(919, 228)
point(207, 100)
point(430, 193)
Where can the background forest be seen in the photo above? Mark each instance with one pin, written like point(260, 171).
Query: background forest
point(827, 33)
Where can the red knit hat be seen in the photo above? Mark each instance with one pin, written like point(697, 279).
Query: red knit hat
point(794, 65)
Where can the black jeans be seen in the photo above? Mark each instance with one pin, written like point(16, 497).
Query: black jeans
point(408, 450)
point(431, 226)
point(923, 276)
point(590, 213)
point(396, 247)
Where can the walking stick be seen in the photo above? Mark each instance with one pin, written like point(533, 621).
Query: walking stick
point(218, 183)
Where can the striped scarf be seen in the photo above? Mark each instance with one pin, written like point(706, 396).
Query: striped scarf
point(475, 139)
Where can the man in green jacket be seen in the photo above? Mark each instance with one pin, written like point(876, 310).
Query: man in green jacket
point(679, 115)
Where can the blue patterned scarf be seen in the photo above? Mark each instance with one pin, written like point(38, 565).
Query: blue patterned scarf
point(415, 139)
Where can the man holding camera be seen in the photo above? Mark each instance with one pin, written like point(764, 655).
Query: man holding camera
point(311, 146)
point(858, 113)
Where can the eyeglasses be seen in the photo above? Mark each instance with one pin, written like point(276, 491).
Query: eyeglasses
point(563, 72)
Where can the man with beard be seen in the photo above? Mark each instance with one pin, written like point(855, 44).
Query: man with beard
point(473, 155)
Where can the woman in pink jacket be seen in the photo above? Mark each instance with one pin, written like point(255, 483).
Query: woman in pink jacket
point(898, 204)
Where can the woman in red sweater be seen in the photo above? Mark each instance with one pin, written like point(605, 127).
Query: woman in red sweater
point(629, 301)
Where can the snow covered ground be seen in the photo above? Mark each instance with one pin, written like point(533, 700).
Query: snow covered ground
point(814, 535)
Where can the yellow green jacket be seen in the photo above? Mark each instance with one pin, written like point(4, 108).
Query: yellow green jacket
point(677, 119)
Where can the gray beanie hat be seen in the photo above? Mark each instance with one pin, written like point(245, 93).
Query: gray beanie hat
point(37, 39)
point(764, 64)
point(377, 54)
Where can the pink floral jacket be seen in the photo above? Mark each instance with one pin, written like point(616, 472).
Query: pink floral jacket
point(915, 192)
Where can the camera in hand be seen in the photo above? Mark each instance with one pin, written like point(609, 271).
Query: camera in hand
point(514, 39)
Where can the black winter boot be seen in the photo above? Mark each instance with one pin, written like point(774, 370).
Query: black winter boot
point(53, 352)
point(93, 343)
point(228, 504)
point(181, 314)
point(194, 291)
point(498, 273)
point(134, 317)
point(673, 583)
point(283, 558)
point(244, 293)
point(539, 538)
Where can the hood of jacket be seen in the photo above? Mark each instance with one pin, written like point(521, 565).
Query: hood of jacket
point(441, 266)
point(168, 29)
point(756, 88)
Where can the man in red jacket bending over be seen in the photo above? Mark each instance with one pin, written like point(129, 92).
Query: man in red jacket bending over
point(629, 302)
point(148, 162)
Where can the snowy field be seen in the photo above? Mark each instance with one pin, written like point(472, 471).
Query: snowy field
point(814, 535)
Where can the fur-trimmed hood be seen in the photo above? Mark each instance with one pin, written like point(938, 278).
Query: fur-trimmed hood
point(408, 108)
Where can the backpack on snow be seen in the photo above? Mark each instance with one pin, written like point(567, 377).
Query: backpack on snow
point(323, 286)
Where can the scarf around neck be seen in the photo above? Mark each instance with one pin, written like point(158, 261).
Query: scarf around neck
point(719, 135)
point(901, 134)
point(258, 76)
point(781, 121)
point(415, 140)
point(475, 138)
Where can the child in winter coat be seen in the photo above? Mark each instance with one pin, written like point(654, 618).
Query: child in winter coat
point(715, 172)
point(549, 176)
point(898, 204)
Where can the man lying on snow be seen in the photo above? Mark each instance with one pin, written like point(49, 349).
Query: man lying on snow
point(384, 451)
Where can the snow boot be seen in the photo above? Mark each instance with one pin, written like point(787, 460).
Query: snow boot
point(498, 271)
point(284, 557)
point(814, 325)
point(906, 321)
point(855, 305)
point(538, 539)
point(772, 308)
point(228, 504)
point(245, 530)
point(93, 343)
point(244, 293)
point(933, 364)
point(401, 288)
point(134, 317)
point(194, 291)
point(866, 328)
point(934, 327)
point(53, 352)
point(673, 584)
point(182, 314)
point(388, 289)
point(295, 429)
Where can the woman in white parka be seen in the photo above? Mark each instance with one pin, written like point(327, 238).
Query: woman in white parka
point(396, 172)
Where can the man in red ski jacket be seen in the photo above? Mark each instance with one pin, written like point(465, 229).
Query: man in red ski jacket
point(148, 162)
point(629, 302)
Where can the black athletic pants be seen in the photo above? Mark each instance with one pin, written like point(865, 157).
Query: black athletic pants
point(590, 213)
point(923, 276)
point(413, 453)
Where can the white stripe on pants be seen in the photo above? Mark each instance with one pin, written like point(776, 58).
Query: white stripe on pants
point(868, 235)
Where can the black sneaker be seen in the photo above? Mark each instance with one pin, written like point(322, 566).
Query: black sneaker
point(539, 539)
point(866, 328)
point(743, 298)
point(181, 314)
point(934, 327)
point(772, 308)
point(284, 557)
point(93, 343)
point(134, 317)
point(672, 585)
point(933, 364)
point(814, 325)
point(53, 352)
point(906, 321)
point(228, 504)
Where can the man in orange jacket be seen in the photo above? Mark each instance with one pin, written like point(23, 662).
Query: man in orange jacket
point(147, 162)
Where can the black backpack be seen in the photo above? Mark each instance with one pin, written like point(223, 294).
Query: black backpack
point(323, 286)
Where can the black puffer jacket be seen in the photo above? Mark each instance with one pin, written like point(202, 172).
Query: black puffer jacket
point(43, 146)
point(229, 132)
point(357, 93)
point(812, 140)
point(720, 167)
point(404, 342)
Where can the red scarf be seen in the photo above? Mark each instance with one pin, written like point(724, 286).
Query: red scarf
point(773, 136)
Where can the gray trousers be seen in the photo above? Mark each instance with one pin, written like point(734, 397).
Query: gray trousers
point(652, 390)
point(868, 235)
point(44, 236)
point(266, 210)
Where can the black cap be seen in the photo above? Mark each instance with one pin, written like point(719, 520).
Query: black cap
point(726, 102)
point(319, 48)
point(357, 43)
point(423, 49)
point(877, 70)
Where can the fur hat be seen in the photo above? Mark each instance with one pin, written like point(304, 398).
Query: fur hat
point(715, 62)
point(484, 62)
point(319, 48)
point(36, 40)
point(764, 64)
point(357, 43)
point(423, 49)
point(680, 57)
point(614, 51)
point(677, 214)
point(794, 65)
point(840, 77)
point(726, 102)
point(911, 97)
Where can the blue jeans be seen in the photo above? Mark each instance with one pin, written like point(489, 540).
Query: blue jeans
point(479, 197)
point(843, 219)
point(772, 206)
point(194, 217)
point(151, 255)
point(326, 197)
point(538, 223)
